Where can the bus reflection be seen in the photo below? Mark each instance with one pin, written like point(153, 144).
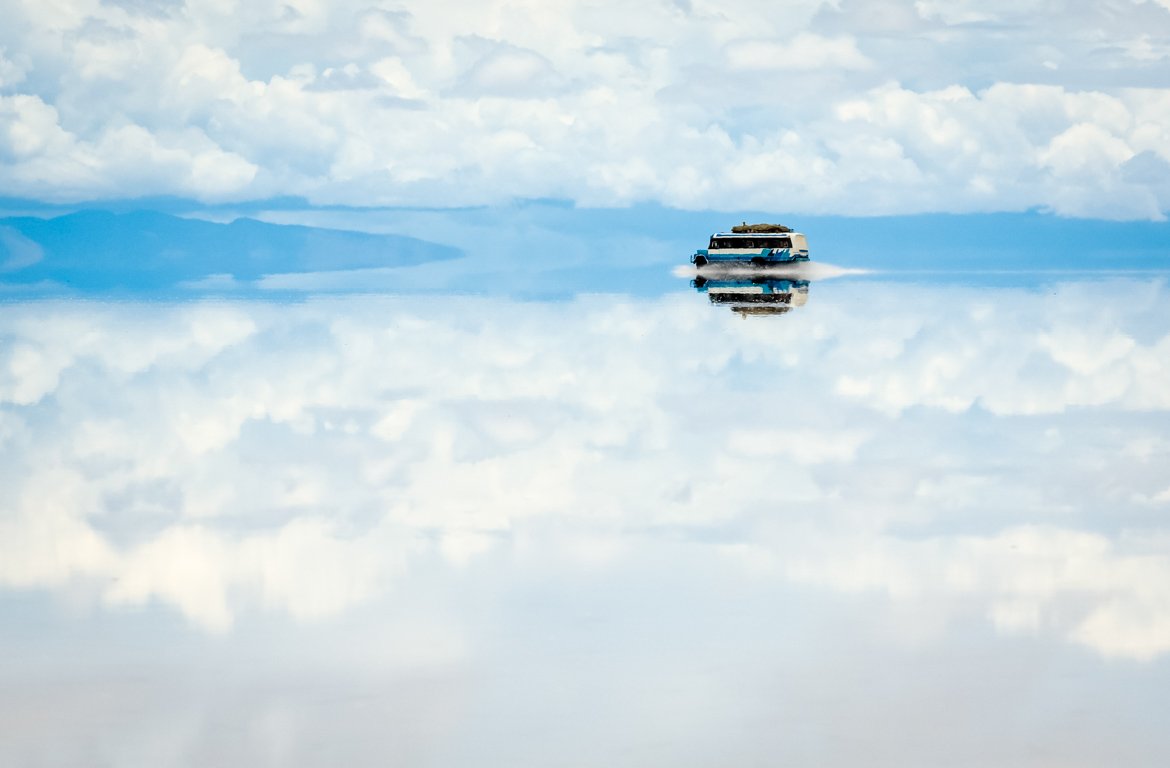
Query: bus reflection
point(753, 294)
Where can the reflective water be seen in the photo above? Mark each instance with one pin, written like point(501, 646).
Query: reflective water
point(903, 523)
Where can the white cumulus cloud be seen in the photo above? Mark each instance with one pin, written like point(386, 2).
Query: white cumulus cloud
point(848, 107)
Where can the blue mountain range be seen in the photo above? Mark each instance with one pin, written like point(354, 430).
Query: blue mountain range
point(149, 251)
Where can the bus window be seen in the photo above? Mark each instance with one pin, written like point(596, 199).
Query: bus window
point(777, 242)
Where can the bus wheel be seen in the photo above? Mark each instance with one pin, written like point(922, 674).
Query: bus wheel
point(700, 262)
point(758, 262)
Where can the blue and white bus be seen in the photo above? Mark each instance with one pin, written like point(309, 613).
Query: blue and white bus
point(757, 244)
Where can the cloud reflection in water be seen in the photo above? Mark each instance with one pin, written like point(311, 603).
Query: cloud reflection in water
point(935, 468)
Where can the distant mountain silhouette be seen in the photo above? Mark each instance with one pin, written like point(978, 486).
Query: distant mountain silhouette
point(146, 250)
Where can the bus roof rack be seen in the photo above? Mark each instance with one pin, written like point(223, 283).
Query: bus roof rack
point(745, 228)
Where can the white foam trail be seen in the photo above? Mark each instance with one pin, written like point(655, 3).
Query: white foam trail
point(804, 270)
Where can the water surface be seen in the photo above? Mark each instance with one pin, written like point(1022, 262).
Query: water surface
point(909, 523)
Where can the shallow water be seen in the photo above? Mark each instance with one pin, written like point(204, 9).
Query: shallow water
point(904, 523)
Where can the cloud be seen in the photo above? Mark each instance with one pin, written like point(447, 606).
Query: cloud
point(803, 52)
point(31, 127)
point(1081, 585)
point(969, 453)
point(967, 12)
point(52, 163)
point(200, 571)
point(808, 106)
point(1048, 369)
point(11, 72)
point(509, 72)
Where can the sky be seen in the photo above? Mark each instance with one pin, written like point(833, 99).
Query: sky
point(852, 107)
